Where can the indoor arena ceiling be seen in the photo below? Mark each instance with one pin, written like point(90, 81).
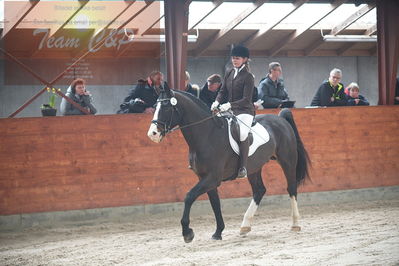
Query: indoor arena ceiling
point(268, 28)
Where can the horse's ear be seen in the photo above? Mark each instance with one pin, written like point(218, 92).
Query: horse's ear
point(167, 90)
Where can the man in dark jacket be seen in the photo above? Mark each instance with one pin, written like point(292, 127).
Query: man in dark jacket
point(271, 88)
point(331, 92)
point(211, 89)
point(144, 95)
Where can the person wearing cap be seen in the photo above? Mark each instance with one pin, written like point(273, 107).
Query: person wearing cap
point(211, 89)
point(237, 88)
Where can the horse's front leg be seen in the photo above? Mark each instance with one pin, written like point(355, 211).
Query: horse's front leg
point(215, 203)
point(200, 188)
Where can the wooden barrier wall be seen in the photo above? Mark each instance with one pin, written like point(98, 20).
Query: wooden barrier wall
point(81, 162)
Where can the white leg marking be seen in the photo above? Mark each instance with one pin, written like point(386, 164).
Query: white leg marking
point(153, 132)
point(294, 211)
point(249, 214)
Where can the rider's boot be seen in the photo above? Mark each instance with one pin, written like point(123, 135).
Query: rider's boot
point(244, 149)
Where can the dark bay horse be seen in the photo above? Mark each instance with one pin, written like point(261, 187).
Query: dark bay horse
point(214, 161)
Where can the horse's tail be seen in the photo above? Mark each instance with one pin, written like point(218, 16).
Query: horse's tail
point(302, 167)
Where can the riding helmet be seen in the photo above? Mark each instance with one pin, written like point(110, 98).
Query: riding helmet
point(240, 51)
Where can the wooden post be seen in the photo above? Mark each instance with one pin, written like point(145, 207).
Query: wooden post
point(388, 49)
point(176, 31)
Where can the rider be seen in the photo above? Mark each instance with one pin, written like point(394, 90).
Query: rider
point(237, 88)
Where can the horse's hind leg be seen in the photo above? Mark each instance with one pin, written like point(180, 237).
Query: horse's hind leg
point(289, 168)
point(215, 203)
point(258, 190)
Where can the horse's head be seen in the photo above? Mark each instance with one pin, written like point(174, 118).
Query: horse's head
point(166, 116)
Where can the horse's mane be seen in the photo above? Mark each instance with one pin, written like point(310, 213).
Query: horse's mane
point(196, 100)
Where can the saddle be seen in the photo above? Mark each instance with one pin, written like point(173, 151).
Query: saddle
point(257, 136)
point(235, 128)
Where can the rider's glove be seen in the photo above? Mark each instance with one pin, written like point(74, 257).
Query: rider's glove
point(214, 106)
point(225, 107)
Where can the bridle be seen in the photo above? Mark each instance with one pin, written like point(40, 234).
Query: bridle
point(166, 128)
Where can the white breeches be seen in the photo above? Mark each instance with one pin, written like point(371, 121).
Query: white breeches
point(245, 122)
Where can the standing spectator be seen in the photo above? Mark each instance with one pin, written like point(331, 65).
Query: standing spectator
point(188, 87)
point(271, 88)
point(354, 98)
point(211, 89)
point(78, 93)
point(331, 92)
point(144, 95)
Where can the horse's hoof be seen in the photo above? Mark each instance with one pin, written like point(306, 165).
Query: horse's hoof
point(216, 237)
point(295, 228)
point(189, 236)
point(245, 230)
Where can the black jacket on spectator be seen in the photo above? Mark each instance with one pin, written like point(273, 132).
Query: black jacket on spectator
point(363, 101)
point(207, 96)
point(142, 91)
point(191, 90)
point(396, 91)
point(272, 93)
point(326, 91)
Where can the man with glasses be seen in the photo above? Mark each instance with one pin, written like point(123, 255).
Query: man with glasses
point(271, 88)
point(331, 92)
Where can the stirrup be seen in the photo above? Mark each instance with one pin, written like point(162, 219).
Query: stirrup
point(242, 172)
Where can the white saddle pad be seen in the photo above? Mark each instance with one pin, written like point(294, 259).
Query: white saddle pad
point(259, 133)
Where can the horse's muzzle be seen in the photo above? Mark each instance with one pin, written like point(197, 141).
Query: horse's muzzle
point(154, 134)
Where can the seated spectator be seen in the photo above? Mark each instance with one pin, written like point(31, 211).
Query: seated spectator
point(78, 93)
point(144, 95)
point(354, 98)
point(331, 92)
point(188, 87)
point(397, 91)
point(271, 88)
point(211, 89)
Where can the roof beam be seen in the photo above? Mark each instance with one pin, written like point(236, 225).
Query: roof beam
point(232, 24)
point(56, 29)
point(370, 31)
point(313, 47)
point(297, 33)
point(352, 19)
point(15, 20)
point(216, 4)
point(262, 31)
point(339, 28)
point(135, 14)
point(129, 3)
point(144, 27)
